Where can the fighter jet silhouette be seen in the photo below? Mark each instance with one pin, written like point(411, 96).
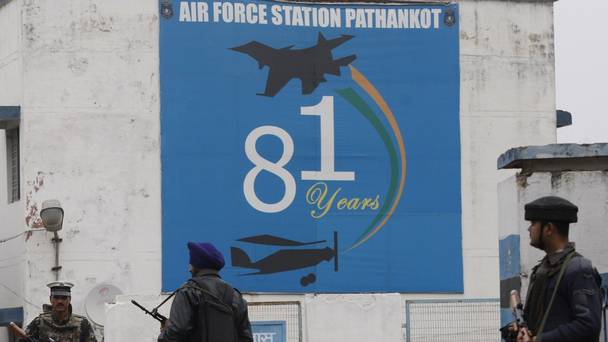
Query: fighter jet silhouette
point(285, 259)
point(309, 65)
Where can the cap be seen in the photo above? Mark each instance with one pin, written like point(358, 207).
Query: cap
point(551, 208)
point(60, 288)
point(205, 255)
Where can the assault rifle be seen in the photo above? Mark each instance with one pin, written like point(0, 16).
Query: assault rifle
point(518, 309)
point(154, 313)
point(14, 328)
point(509, 332)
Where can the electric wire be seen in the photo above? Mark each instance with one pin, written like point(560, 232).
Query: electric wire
point(8, 288)
point(18, 235)
point(20, 297)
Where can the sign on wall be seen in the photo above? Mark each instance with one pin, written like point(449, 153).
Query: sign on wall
point(268, 331)
point(317, 146)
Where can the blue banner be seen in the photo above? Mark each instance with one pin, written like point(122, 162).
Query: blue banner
point(317, 146)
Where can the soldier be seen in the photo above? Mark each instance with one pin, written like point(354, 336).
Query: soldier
point(59, 324)
point(207, 308)
point(564, 298)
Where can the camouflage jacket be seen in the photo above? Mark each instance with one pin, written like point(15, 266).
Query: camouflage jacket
point(44, 328)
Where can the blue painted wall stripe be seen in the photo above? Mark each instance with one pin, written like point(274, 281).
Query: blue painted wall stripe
point(509, 248)
point(11, 315)
point(10, 112)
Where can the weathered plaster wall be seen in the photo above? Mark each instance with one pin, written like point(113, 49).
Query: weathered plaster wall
point(507, 99)
point(10, 53)
point(326, 317)
point(90, 123)
point(11, 215)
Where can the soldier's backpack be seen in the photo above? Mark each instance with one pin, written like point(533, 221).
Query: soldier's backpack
point(217, 316)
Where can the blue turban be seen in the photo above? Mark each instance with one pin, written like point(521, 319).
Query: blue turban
point(205, 255)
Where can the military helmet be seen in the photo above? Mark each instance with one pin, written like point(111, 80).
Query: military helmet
point(551, 208)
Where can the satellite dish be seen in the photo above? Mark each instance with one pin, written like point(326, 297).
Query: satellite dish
point(95, 301)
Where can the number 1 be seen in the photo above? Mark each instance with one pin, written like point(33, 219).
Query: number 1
point(325, 109)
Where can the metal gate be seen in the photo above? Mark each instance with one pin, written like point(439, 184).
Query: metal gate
point(289, 312)
point(455, 320)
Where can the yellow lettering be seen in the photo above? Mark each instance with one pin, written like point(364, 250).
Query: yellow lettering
point(341, 203)
point(316, 196)
point(353, 203)
point(316, 193)
point(376, 203)
point(366, 203)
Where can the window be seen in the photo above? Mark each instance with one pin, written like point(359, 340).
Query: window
point(12, 167)
point(9, 122)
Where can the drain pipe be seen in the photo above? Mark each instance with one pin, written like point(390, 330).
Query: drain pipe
point(56, 241)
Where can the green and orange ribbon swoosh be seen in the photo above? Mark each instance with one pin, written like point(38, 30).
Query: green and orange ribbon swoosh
point(394, 192)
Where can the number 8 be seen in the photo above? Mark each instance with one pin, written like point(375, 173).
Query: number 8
point(277, 169)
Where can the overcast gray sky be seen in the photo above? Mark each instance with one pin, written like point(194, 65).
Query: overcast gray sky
point(581, 63)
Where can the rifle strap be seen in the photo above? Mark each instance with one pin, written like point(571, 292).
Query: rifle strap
point(224, 300)
point(548, 309)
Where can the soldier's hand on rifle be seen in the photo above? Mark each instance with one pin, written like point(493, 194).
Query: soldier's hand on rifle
point(164, 324)
point(525, 335)
point(509, 333)
point(15, 329)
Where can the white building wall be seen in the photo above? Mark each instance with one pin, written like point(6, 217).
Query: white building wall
point(90, 119)
point(11, 215)
point(90, 138)
point(10, 52)
point(507, 95)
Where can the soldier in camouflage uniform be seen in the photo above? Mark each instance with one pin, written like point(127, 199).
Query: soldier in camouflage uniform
point(59, 324)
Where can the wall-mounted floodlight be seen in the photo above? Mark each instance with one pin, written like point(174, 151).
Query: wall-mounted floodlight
point(52, 215)
point(52, 219)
